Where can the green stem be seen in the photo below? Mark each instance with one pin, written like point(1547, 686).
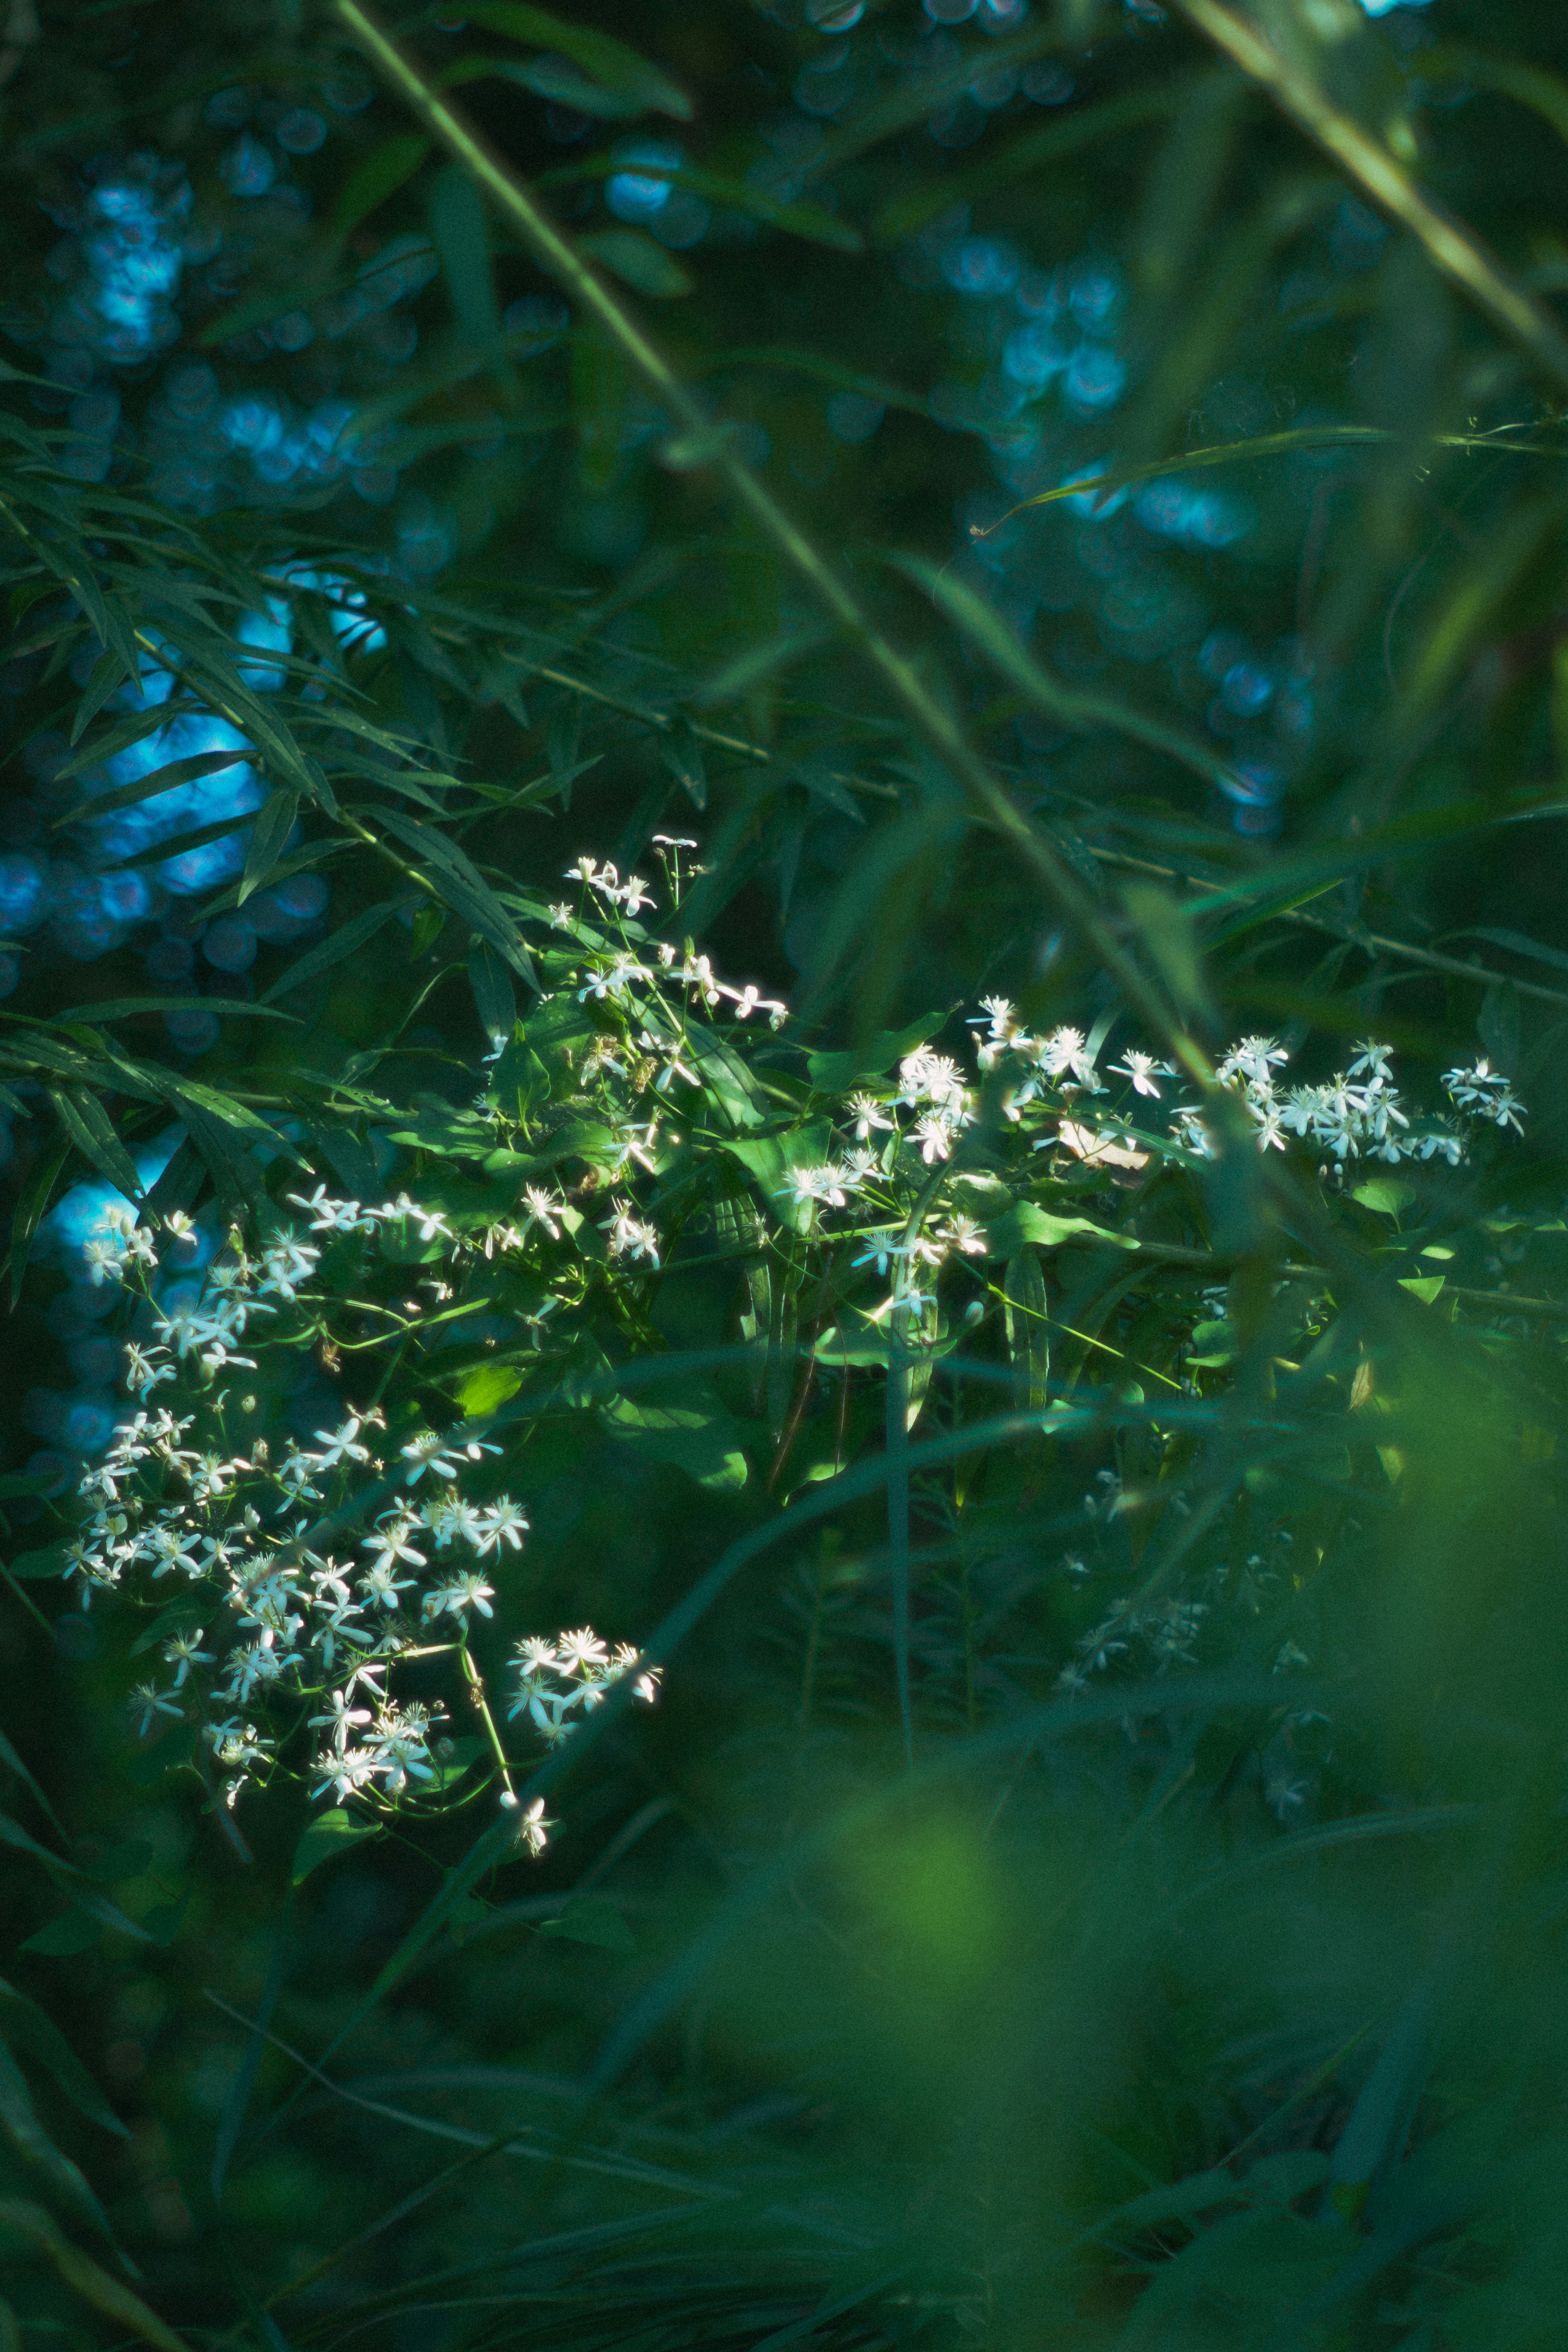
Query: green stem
point(925, 712)
point(1450, 243)
point(477, 1692)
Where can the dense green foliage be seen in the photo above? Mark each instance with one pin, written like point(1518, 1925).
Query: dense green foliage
point(780, 934)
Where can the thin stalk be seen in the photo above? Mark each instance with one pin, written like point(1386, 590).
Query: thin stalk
point(1452, 245)
point(926, 714)
point(477, 1692)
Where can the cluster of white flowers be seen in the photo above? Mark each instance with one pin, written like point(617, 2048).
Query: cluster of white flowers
point(1358, 1113)
point(556, 1678)
point(292, 1638)
point(693, 975)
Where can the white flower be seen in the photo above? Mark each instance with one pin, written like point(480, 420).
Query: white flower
point(1253, 1059)
point(469, 1591)
point(328, 1215)
point(503, 1521)
point(391, 1542)
point(629, 1236)
point(542, 1208)
point(430, 1221)
point(616, 980)
point(381, 1588)
point(141, 1373)
point(287, 1264)
point(934, 1135)
point(580, 1651)
point(869, 1113)
point(428, 1452)
point(636, 894)
point(344, 1775)
point(339, 1719)
point(1142, 1069)
point(183, 1652)
point(536, 1657)
point(401, 1755)
point(1372, 1058)
point(880, 1246)
point(534, 1830)
point(341, 1445)
point(152, 1702)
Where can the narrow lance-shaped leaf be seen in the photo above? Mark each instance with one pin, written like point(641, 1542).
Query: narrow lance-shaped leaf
point(460, 885)
point(19, 2119)
point(30, 2028)
point(344, 942)
point(88, 1124)
point(34, 1200)
point(987, 629)
point(1025, 1329)
point(268, 839)
point(381, 174)
point(460, 227)
point(102, 2293)
point(609, 62)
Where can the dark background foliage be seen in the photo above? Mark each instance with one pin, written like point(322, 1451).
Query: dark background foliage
point(953, 2057)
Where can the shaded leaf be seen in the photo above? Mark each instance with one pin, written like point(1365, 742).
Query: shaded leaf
point(638, 262)
point(105, 2294)
point(591, 1919)
point(329, 1834)
point(610, 63)
point(382, 171)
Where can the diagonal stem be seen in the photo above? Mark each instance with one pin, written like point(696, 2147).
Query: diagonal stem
point(926, 713)
point(1452, 244)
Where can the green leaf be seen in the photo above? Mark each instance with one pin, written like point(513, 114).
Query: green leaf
point(1198, 2193)
point(811, 222)
point(555, 79)
point(159, 780)
point(1168, 937)
point(346, 940)
point(27, 2025)
point(107, 672)
point(329, 1835)
point(19, 2120)
point(1214, 1344)
point(638, 262)
point(494, 998)
point(63, 1937)
point(701, 1438)
point(681, 752)
point(768, 1159)
point(460, 227)
point(1026, 1329)
point(1026, 1225)
point(1426, 1287)
point(122, 1008)
point(608, 62)
point(985, 628)
point(459, 883)
point(1387, 1194)
point(29, 1209)
point(87, 2278)
point(591, 1919)
point(87, 1123)
point(1280, 2179)
point(832, 1073)
point(488, 1388)
point(1520, 944)
point(268, 840)
point(369, 185)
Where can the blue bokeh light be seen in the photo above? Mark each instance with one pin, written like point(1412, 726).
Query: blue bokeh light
point(637, 195)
